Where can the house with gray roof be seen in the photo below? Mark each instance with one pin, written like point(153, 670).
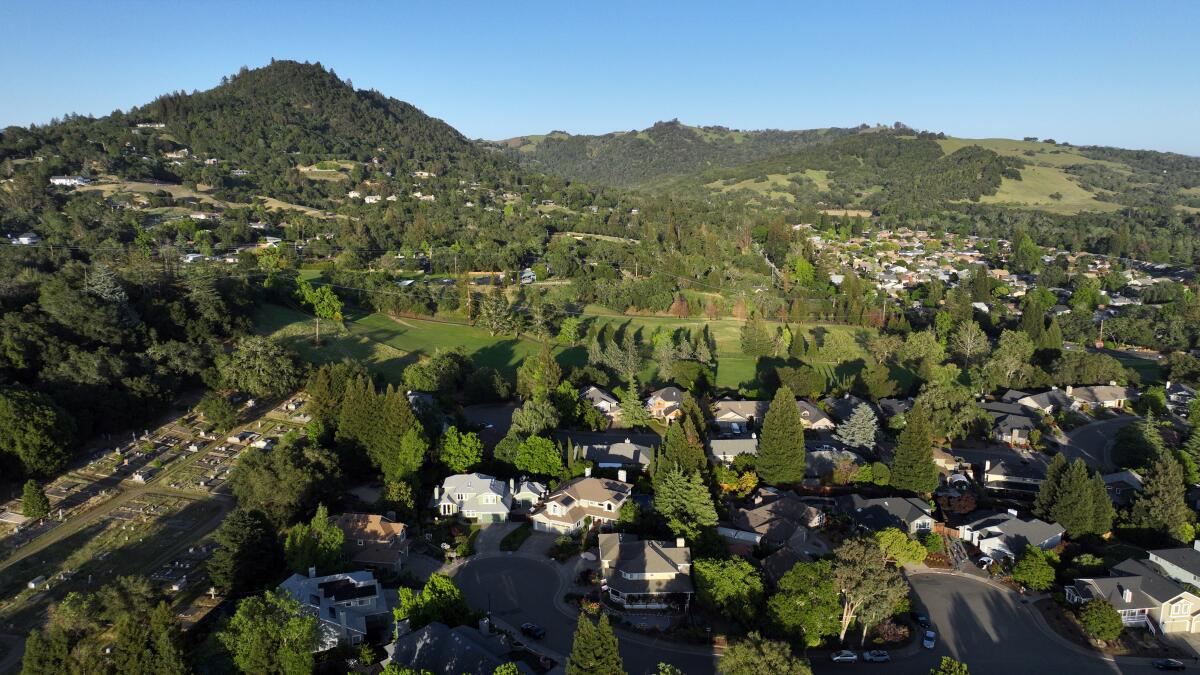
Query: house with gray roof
point(474, 496)
point(725, 450)
point(664, 403)
point(349, 607)
point(603, 401)
point(583, 501)
point(1045, 403)
point(777, 517)
point(890, 407)
point(1122, 486)
point(908, 514)
point(1143, 596)
point(1020, 478)
point(615, 454)
point(646, 574)
point(1109, 395)
point(1005, 535)
point(741, 417)
point(1011, 423)
point(442, 650)
point(841, 407)
point(1181, 564)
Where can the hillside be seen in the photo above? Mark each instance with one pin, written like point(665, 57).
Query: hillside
point(665, 150)
point(871, 168)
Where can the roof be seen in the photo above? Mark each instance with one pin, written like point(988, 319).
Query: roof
point(842, 407)
point(668, 394)
point(1032, 470)
point(319, 595)
point(780, 563)
point(1103, 393)
point(621, 452)
point(629, 555)
point(813, 416)
point(824, 462)
point(895, 406)
point(732, 447)
point(1187, 559)
point(1014, 532)
point(571, 497)
point(597, 395)
point(1123, 479)
point(779, 518)
point(473, 483)
point(1148, 588)
point(1047, 400)
point(885, 512)
point(741, 411)
point(382, 540)
point(438, 648)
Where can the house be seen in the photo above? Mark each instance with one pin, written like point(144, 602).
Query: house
point(350, 607)
point(188, 258)
point(528, 494)
point(1180, 564)
point(623, 454)
point(778, 518)
point(909, 514)
point(1179, 397)
point(642, 574)
point(840, 408)
point(1122, 486)
point(739, 417)
point(1011, 423)
point(1143, 597)
point(1110, 395)
point(579, 503)
point(374, 541)
point(890, 407)
point(664, 403)
point(1046, 403)
point(1004, 535)
point(1023, 477)
point(528, 276)
point(474, 496)
point(725, 450)
point(372, 199)
point(603, 401)
point(69, 181)
point(441, 650)
point(242, 438)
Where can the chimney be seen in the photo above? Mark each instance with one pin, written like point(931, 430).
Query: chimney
point(987, 465)
point(312, 573)
point(1112, 383)
point(679, 543)
point(587, 471)
point(1012, 512)
point(1196, 545)
point(1167, 385)
point(1126, 595)
point(626, 441)
point(436, 492)
point(511, 486)
point(621, 475)
point(754, 436)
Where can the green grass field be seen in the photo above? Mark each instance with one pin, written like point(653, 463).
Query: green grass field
point(388, 345)
point(1038, 183)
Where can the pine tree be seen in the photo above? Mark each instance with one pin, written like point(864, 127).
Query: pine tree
point(1047, 494)
point(1103, 512)
point(861, 429)
point(594, 650)
point(913, 468)
point(1053, 337)
point(1074, 507)
point(395, 443)
point(781, 444)
point(678, 453)
point(358, 414)
point(683, 500)
point(1162, 505)
point(756, 340)
point(34, 503)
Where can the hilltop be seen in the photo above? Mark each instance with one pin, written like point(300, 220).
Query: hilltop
point(875, 168)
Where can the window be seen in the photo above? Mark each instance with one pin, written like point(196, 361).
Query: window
point(1181, 609)
point(608, 506)
point(360, 542)
point(469, 514)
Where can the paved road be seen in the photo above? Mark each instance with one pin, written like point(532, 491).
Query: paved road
point(990, 630)
point(1093, 442)
point(516, 589)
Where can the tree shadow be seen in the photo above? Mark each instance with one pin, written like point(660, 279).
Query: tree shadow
point(818, 333)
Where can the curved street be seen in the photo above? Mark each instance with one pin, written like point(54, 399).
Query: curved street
point(1093, 442)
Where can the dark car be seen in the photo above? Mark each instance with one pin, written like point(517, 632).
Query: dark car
point(921, 619)
point(533, 630)
point(1168, 664)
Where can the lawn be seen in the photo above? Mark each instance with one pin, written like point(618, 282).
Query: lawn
point(1038, 183)
point(1148, 369)
point(388, 345)
point(774, 187)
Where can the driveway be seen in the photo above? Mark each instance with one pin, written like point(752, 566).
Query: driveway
point(990, 630)
point(517, 588)
point(1093, 442)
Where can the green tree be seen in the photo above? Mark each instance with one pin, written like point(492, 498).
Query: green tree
point(247, 553)
point(684, 502)
point(35, 430)
point(539, 456)
point(969, 343)
point(877, 381)
point(269, 634)
point(756, 655)
point(594, 649)
point(869, 588)
point(259, 366)
point(913, 468)
point(1162, 504)
point(539, 376)
point(317, 543)
point(756, 339)
point(1034, 569)
point(1075, 499)
point(861, 429)
point(948, 666)
point(284, 482)
point(806, 605)
point(218, 410)
point(781, 443)
point(535, 417)
point(899, 548)
point(1047, 495)
point(34, 503)
point(633, 413)
point(460, 452)
point(395, 442)
point(439, 600)
point(731, 587)
point(324, 302)
point(678, 452)
point(1101, 620)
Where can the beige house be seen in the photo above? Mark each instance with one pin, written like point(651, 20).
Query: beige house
point(579, 502)
point(1143, 596)
point(374, 541)
point(646, 574)
point(664, 403)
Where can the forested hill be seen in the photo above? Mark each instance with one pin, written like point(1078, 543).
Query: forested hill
point(878, 168)
point(665, 150)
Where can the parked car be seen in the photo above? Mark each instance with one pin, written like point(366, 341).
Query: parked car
point(877, 656)
point(921, 619)
point(1168, 664)
point(533, 630)
point(844, 656)
point(930, 639)
point(985, 562)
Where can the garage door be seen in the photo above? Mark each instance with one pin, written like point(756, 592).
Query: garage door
point(1176, 626)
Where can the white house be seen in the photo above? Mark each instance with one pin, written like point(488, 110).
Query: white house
point(69, 181)
point(1180, 564)
point(580, 502)
point(348, 606)
point(1004, 535)
point(603, 401)
point(646, 574)
point(1143, 597)
point(474, 496)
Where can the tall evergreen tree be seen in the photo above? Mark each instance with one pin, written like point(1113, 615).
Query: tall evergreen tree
point(683, 500)
point(1162, 505)
point(594, 650)
point(396, 443)
point(781, 443)
point(860, 430)
point(679, 453)
point(317, 543)
point(913, 468)
point(1047, 494)
point(357, 414)
point(1103, 512)
point(34, 503)
point(1074, 505)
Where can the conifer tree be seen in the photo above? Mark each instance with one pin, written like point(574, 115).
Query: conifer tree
point(34, 503)
point(860, 430)
point(357, 415)
point(1053, 337)
point(678, 453)
point(1103, 512)
point(395, 443)
point(683, 500)
point(594, 650)
point(1047, 494)
point(913, 468)
point(1162, 505)
point(781, 443)
point(1074, 505)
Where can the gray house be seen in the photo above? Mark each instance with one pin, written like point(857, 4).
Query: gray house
point(1180, 564)
point(908, 514)
point(474, 496)
point(349, 607)
point(1004, 535)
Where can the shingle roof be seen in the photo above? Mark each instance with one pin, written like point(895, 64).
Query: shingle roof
point(886, 511)
point(1187, 559)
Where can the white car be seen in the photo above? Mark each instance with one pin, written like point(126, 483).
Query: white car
point(844, 656)
point(930, 639)
point(877, 656)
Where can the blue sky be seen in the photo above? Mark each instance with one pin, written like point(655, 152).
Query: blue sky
point(1125, 74)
